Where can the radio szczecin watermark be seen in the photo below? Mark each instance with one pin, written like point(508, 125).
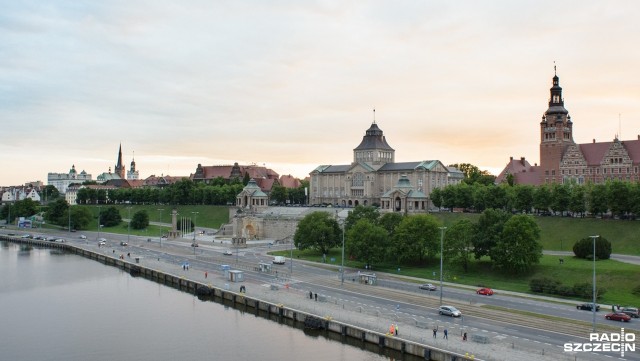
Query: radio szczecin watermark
point(605, 342)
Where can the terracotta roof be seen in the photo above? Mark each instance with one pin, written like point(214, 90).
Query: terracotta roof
point(523, 172)
point(595, 152)
point(289, 181)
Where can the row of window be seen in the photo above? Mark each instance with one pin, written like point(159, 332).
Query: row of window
point(604, 171)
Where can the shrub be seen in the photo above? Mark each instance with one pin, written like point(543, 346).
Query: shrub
point(584, 248)
point(544, 285)
point(636, 290)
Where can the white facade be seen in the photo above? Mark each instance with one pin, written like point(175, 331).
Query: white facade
point(62, 180)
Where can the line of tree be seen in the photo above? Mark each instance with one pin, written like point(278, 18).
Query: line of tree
point(185, 192)
point(510, 241)
point(621, 199)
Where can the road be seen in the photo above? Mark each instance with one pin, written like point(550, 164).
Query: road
point(504, 317)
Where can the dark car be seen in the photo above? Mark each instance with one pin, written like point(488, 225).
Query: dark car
point(631, 311)
point(428, 287)
point(587, 307)
point(618, 316)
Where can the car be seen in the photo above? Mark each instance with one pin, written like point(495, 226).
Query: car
point(164, 236)
point(60, 240)
point(194, 244)
point(73, 230)
point(123, 243)
point(102, 242)
point(587, 307)
point(449, 311)
point(618, 316)
point(227, 253)
point(82, 236)
point(631, 311)
point(428, 287)
point(485, 291)
point(26, 236)
point(51, 239)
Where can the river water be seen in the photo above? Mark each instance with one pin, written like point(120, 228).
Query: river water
point(57, 307)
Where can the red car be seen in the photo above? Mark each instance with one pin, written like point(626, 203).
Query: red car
point(485, 291)
point(618, 316)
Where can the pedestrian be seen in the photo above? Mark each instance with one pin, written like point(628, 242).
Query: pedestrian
point(396, 330)
point(464, 336)
point(446, 334)
point(310, 295)
point(206, 274)
point(184, 267)
point(435, 332)
point(392, 329)
point(316, 295)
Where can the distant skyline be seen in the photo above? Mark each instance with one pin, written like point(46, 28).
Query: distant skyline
point(292, 85)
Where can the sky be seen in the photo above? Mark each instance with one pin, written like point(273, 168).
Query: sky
point(292, 84)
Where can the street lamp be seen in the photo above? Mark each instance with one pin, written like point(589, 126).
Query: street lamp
point(442, 229)
point(69, 210)
point(593, 306)
point(99, 220)
point(160, 224)
point(129, 226)
point(342, 267)
point(195, 219)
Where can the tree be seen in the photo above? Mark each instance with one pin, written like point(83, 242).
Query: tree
point(584, 248)
point(496, 197)
point(367, 241)
point(49, 193)
point(560, 195)
point(577, 200)
point(389, 221)
point(458, 243)
point(542, 199)
point(111, 217)
point(436, 197)
point(57, 212)
point(518, 249)
point(140, 220)
point(597, 199)
point(618, 194)
point(80, 217)
point(279, 194)
point(523, 198)
point(318, 231)
point(488, 231)
point(362, 212)
point(417, 237)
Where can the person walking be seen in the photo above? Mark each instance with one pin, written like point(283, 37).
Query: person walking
point(446, 334)
point(396, 330)
point(464, 336)
point(435, 332)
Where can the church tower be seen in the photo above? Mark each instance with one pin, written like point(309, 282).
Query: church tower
point(132, 173)
point(556, 134)
point(119, 168)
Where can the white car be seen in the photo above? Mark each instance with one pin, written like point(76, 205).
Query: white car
point(449, 311)
point(102, 242)
point(227, 252)
point(82, 236)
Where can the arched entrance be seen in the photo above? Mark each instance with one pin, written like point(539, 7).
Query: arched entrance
point(397, 204)
point(249, 232)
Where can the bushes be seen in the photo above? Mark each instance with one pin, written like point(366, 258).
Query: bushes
point(584, 248)
point(553, 287)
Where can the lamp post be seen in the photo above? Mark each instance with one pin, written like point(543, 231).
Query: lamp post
point(291, 256)
point(160, 224)
point(129, 226)
point(593, 306)
point(99, 220)
point(195, 219)
point(342, 266)
point(69, 210)
point(442, 229)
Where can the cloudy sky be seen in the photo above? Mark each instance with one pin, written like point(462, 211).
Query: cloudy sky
point(292, 84)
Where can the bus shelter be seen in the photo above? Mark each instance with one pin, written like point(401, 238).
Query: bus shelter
point(367, 278)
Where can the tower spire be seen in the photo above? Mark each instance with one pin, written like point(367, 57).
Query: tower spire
point(374, 115)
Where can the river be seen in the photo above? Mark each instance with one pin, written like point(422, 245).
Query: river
point(63, 307)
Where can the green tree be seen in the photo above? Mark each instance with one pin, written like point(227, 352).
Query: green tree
point(362, 212)
point(458, 243)
point(561, 196)
point(367, 241)
point(390, 221)
point(577, 201)
point(618, 195)
point(597, 198)
point(49, 193)
point(318, 231)
point(80, 217)
point(496, 197)
point(523, 198)
point(57, 212)
point(488, 231)
point(584, 248)
point(417, 237)
point(140, 220)
point(279, 194)
point(518, 248)
point(542, 199)
point(24, 208)
point(111, 217)
point(436, 197)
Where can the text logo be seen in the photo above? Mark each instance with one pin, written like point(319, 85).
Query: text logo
point(605, 342)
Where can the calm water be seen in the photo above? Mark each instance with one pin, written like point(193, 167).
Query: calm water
point(64, 307)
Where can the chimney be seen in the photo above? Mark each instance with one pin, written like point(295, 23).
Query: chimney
point(594, 140)
point(522, 160)
point(511, 158)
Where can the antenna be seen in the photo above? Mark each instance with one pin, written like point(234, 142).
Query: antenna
point(374, 115)
point(554, 68)
point(619, 125)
